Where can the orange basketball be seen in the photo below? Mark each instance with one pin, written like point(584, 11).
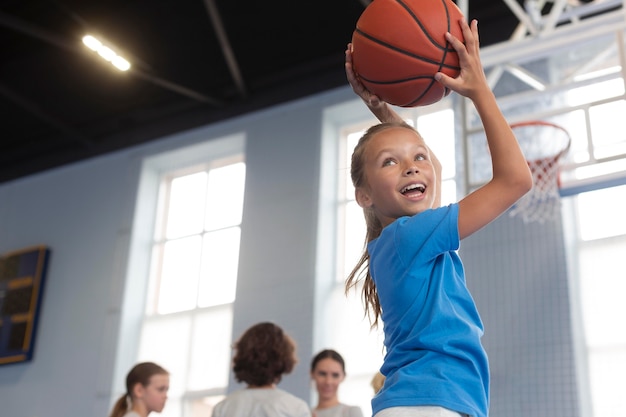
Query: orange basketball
point(399, 45)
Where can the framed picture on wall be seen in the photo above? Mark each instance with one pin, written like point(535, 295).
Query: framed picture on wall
point(22, 278)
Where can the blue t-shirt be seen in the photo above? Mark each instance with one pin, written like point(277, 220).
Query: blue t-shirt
point(432, 328)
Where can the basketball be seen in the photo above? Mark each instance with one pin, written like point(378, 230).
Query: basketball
point(399, 45)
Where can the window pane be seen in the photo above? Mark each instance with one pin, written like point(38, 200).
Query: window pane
point(601, 213)
point(448, 192)
point(220, 265)
point(595, 91)
point(210, 355)
point(163, 342)
point(575, 124)
point(607, 386)
point(607, 128)
point(226, 191)
point(602, 290)
point(179, 278)
point(186, 205)
point(437, 129)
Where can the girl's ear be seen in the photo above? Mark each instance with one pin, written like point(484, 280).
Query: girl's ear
point(138, 390)
point(362, 198)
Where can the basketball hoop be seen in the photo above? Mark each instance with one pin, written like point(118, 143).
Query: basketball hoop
point(543, 145)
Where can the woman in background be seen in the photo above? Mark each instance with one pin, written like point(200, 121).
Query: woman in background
point(146, 391)
point(328, 370)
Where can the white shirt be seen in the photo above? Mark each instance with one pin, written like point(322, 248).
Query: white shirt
point(261, 402)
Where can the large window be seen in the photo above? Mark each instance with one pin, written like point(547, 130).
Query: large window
point(598, 235)
point(192, 282)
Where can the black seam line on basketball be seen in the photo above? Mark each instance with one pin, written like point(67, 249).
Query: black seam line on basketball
point(401, 80)
point(445, 53)
point(426, 90)
point(403, 52)
point(416, 19)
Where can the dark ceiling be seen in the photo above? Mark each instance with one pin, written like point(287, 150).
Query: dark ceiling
point(194, 62)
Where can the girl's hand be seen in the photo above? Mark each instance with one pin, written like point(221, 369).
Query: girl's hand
point(372, 100)
point(378, 107)
point(471, 81)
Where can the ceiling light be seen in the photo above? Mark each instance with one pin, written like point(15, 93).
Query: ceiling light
point(106, 53)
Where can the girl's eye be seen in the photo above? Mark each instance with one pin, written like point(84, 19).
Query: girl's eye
point(420, 157)
point(388, 162)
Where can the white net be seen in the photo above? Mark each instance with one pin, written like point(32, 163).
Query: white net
point(543, 144)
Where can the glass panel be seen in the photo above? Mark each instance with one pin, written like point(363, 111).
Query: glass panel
point(607, 128)
point(163, 341)
point(479, 158)
point(600, 169)
point(437, 129)
point(186, 205)
point(602, 290)
point(225, 191)
point(448, 192)
point(594, 92)
point(601, 213)
point(220, 262)
point(607, 384)
point(211, 355)
point(179, 279)
point(576, 126)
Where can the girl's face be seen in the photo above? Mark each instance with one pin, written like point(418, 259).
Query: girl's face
point(399, 175)
point(327, 375)
point(154, 395)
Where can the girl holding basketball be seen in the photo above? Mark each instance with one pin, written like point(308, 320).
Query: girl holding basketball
point(413, 279)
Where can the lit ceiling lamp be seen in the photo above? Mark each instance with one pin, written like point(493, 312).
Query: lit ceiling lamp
point(106, 53)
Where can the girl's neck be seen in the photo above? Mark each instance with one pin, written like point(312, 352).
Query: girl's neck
point(261, 386)
point(327, 403)
point(140, 409)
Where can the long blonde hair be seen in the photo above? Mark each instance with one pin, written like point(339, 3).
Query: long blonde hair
point(361, 272)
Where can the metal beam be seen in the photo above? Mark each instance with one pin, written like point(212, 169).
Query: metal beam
point(227, 50)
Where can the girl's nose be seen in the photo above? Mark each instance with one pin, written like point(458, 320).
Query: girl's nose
point(411, 169)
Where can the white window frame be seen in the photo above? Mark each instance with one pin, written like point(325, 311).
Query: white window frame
point(153, 170)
